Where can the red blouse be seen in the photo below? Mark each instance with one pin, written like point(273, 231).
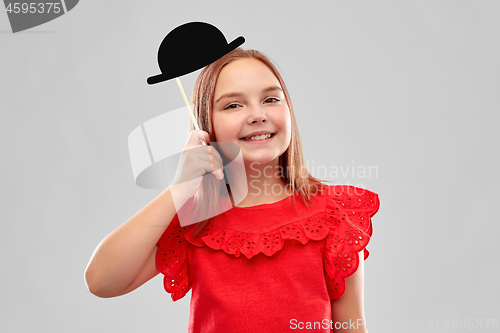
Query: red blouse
point(294, 262)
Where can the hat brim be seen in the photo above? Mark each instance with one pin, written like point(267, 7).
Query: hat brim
point(205, 62)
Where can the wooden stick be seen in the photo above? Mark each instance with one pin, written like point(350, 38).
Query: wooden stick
point(189, 106)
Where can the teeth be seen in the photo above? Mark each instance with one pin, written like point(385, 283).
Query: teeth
point(259, 137)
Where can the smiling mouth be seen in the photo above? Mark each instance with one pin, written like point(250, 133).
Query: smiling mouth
point(249, 140)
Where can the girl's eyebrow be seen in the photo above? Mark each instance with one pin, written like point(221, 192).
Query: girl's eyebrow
point(237, 94)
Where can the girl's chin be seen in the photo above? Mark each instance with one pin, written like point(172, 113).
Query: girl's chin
point(260, 159)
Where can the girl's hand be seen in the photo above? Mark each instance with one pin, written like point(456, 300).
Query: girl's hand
point(193, 164)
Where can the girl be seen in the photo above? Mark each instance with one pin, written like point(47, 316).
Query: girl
point(264, 265)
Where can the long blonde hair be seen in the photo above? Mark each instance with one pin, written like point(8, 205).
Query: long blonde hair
point(291, 160)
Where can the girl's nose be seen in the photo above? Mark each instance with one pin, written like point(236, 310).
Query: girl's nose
point(258, 114)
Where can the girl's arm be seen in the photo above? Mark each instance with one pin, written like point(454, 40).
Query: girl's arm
point(125, 259)
point(348, 311)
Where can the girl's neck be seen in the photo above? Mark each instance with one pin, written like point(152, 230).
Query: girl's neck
point(266, 184)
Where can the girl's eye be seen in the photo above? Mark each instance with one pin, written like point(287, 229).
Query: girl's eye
point(231, 106)
point(272, 99)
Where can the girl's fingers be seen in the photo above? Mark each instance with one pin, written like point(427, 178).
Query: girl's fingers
point(206, 152)
point(196, 137)
point(209, 154)
point(216, 171)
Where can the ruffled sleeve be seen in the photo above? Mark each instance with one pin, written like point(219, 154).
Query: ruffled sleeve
point(348, 213)
point(172, 260)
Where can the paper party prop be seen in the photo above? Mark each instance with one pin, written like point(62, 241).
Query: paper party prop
point(188, 48)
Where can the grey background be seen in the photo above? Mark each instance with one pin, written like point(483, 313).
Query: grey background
point(410, 87)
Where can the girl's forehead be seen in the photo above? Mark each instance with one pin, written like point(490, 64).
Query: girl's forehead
point(246, 72)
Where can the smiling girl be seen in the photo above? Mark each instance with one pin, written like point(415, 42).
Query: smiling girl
point(264, 265)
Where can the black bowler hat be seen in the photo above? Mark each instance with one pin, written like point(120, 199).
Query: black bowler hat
point(190, 47)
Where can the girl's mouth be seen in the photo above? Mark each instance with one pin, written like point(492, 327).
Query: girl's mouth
point(259, 141)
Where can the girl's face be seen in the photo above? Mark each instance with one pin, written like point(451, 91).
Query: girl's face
point(247, 90)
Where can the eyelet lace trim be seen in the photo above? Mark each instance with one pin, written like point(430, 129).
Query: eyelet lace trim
point(172, 260)
point(237, 242)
